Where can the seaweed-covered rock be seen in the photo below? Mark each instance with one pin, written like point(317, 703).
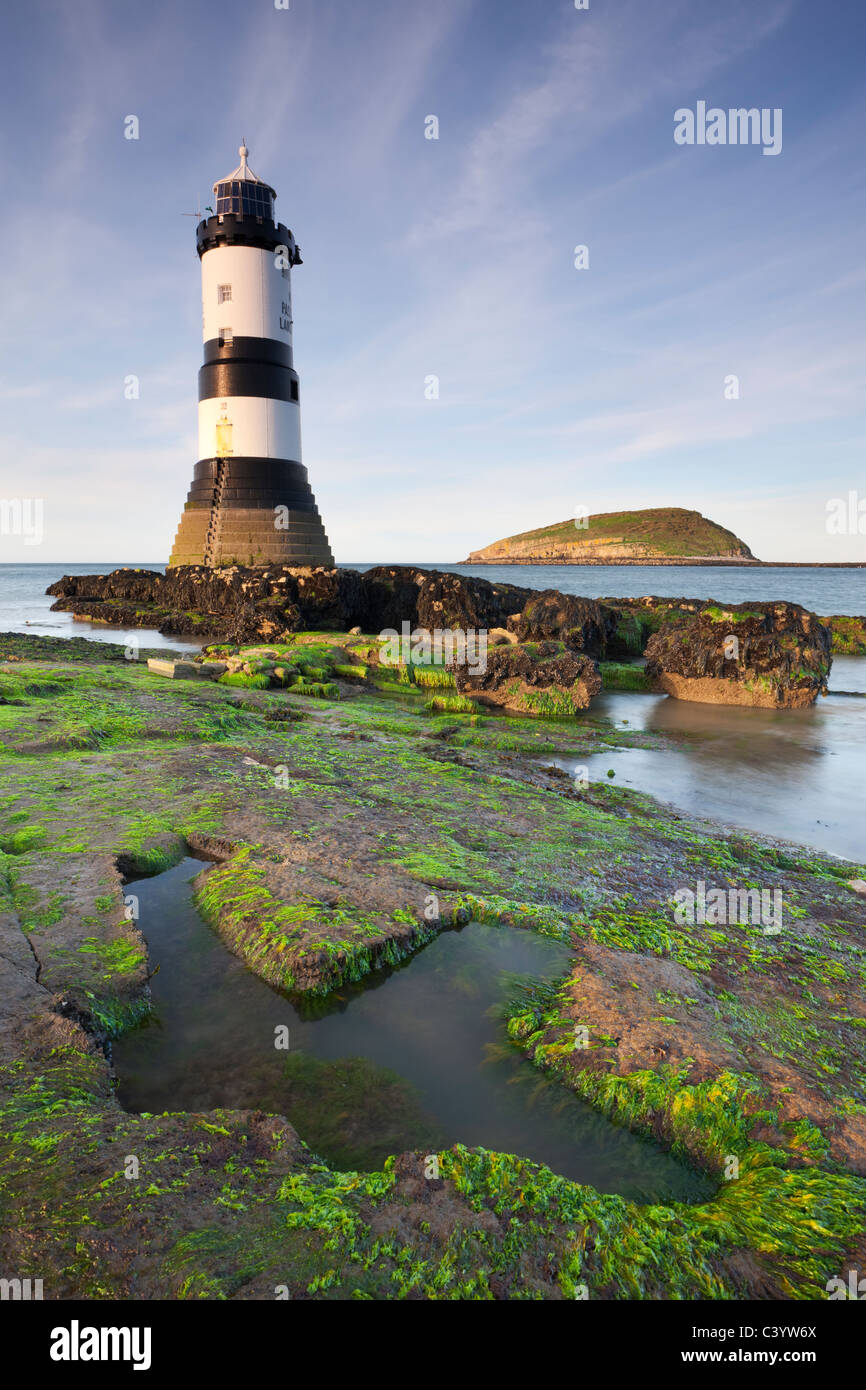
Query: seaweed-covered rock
point(848, 634)
point(775, 655)
point(545, 678)
point(434, 599)
point(236, 603)
point(638, 618)
point(460, 601)
point(241, 604)
point(583, 624)
point(327, 599)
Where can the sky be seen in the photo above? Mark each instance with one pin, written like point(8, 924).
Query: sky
point(559, 388)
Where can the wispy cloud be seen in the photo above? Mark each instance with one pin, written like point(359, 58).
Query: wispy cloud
point(449, 258)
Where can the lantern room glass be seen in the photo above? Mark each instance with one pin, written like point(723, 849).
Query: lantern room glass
point(244, 198)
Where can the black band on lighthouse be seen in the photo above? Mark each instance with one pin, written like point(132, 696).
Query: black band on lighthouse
point(224, 379)
point(248, 350)
point(231, 230)
point(251, 482)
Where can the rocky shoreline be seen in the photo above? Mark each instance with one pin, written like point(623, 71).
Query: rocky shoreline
point(774, 655)
point(334, 818)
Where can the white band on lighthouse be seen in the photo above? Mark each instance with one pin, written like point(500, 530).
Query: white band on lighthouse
point(246, 291)
point(249, 427)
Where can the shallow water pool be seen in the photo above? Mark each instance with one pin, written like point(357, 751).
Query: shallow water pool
point(411, 1057)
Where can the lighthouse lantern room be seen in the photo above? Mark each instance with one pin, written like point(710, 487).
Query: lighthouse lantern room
point(250, 502)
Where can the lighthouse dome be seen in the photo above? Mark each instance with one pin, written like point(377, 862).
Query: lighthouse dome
point(242, 193)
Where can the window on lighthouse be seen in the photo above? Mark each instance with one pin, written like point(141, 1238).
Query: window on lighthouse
point(224, 293)
point(226, 336)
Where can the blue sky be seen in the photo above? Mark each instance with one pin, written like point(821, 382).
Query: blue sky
point(559, 388)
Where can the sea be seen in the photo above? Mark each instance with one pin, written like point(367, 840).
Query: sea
point(795, 775)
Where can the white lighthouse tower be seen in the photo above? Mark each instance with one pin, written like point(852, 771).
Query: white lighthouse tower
point(250, 502)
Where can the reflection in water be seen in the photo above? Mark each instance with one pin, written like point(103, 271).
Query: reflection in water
point(794, 774)
point(412, 1057)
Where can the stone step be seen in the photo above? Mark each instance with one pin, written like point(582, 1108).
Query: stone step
point(175, 670)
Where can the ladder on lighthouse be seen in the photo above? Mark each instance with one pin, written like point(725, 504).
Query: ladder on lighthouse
point(215, 521)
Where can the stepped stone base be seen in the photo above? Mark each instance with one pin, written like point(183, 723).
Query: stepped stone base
point(239, 514)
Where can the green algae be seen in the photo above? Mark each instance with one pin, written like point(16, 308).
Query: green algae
point(791, 1207)
point(848, 635)
point(728, 615)
point(21, 841)
point(435, 677)
point(348, 672)
point(452, 704)
point(551, 702)
point(620, 676)
point(317, 689)
point(244, 680)
point(307, 945)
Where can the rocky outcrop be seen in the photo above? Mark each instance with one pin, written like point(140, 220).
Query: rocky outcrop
point(438, 599)
point(239, 604)
point(774, 656)
point(638, 618)
point(533, 678)
point(657, 535)
point(782, 656)
point(582, 624)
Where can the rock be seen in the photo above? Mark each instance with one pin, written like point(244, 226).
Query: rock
point(544, 678)
point(235, 604)
point(460, 601)
point(287, 675)
point(848, 634)
point(212, 670)
point(175, 670)
point(244, 606)
point(638, 618)
point(581, 623)
point(434, 599)
point(329, 599)
point(772, 656)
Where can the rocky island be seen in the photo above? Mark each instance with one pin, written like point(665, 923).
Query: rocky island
point(656, 536)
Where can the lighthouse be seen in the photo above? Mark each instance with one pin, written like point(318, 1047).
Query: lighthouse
point(250, 502)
